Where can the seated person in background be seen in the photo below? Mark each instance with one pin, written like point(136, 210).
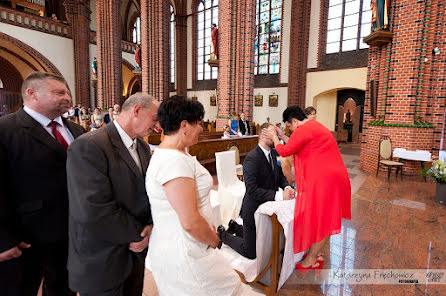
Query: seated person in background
point(262, 179)
point(227, 133)
point(233, 124)
point(109, 116)
point(116, 111)
point(97, 120)
point(244, 125)
point(287, 164)
point(84, 118)
point(310, 111)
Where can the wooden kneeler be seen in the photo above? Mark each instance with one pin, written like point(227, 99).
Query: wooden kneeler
point(273, 262)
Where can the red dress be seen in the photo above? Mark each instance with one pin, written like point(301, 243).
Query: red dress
point(323, 186)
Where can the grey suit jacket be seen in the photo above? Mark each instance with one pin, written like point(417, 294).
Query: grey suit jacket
point(108, 209)
point(33, 182)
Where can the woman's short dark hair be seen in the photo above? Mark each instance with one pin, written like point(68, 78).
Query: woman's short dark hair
point(175, 109)
point(293, 112)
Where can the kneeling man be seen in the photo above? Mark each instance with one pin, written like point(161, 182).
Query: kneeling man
point(262, 180)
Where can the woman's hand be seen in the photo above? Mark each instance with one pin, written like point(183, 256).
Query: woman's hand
point(279, 132)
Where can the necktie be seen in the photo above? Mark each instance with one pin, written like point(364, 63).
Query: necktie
point(270, 159)
point(58, 135)
point(135, 156)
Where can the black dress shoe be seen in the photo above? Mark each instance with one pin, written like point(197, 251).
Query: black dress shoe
point(231, 226)
point(220, 230)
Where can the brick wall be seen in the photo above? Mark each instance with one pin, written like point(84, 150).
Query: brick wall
point(155, 18)
point(181, 47)
point(11, 78)
point(78, 14)
point(109, 52)
point(411, 81)
point(300, 30)
point(235, 84)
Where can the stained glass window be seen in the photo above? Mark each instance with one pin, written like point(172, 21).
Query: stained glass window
point(207, 14)
point(348, 23)
point(136, 32)
point(172, 45)
point(267, 43)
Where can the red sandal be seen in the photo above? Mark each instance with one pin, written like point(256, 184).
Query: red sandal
point(303, 270)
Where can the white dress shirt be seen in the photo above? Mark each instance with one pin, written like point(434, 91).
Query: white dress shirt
point(129, 143)
point(279, 193)
point(45, 122)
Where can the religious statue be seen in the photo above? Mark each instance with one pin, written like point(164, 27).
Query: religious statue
point(214, 44)
point(94, 68)
point(138, 58)
point(348, 116)
point(380, 14)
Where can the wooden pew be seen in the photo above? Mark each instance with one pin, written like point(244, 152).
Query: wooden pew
point(155, 139)
point(205, 150)
point(273, 262)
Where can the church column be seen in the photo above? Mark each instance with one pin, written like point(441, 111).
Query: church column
point(155, 18)
point(235, 84)
point(299, 40)
point(109, 52)
point(78, 14)
point(181, 51)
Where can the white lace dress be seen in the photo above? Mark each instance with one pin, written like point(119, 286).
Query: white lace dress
point(180, 264)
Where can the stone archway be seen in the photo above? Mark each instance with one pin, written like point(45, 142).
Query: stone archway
point(50, 67)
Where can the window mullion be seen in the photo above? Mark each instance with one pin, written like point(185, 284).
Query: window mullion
point(358, 39)
point(342, 27)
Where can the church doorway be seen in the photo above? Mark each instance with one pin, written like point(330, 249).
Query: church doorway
point(349, 114)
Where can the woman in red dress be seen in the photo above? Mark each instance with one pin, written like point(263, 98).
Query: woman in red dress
point(322, 183)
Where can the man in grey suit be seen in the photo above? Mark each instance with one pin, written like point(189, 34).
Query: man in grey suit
point(109, 211)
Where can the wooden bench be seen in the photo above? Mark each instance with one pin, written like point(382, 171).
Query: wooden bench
point(155, 138)
point(205, 150)
point(273, 262)
point(32, 6)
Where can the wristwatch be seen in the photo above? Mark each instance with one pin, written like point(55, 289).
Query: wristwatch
point(220, 243)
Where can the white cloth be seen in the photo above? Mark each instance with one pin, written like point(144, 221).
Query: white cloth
point(45, 122)
point(180, 264)
point(285, 215)
point(420, 155)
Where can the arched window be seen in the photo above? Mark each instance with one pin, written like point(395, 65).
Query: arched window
point(172, 45)
point(136, 32)
point(207, 15)
point(267, 44)
point(348, 22)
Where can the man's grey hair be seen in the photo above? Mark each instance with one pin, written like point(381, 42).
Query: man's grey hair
point(140, 98)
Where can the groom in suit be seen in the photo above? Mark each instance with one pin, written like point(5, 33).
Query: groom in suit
point(262, 177)
point(33, 189)
point(110, 220)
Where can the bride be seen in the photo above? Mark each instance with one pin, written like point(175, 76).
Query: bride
point(182, 247)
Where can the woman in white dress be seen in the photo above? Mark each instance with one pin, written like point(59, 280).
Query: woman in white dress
point(183, 253)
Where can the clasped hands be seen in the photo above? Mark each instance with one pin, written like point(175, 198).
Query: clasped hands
point(288, 194)
point(138, 247)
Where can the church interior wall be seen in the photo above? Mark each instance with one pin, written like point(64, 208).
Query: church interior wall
point(274, 113)
point(203, 96)
point(189, 52)
point(127, 76)
point(58, 50)
point(325, 105)
point(93, 53)
point(21, 61)
point(323, 81)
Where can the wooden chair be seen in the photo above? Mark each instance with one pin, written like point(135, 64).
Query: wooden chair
point(238, 166)
point(385, 158)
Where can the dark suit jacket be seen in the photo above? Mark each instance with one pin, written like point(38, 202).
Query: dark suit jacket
point(261, 183)
point(33, 182)
point(109, 208)
point(242, 128)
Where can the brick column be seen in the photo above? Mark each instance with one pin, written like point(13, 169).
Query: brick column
point(411, 83)
point(78, 14)
point(299, 40)
point(109, 52)
point(155, 18)
point(181, 49)
point(235, 84)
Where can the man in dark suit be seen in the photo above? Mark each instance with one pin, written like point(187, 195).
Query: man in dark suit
point(110, 220)
point(244, 125)
point(33, 189)
point(262, 178)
